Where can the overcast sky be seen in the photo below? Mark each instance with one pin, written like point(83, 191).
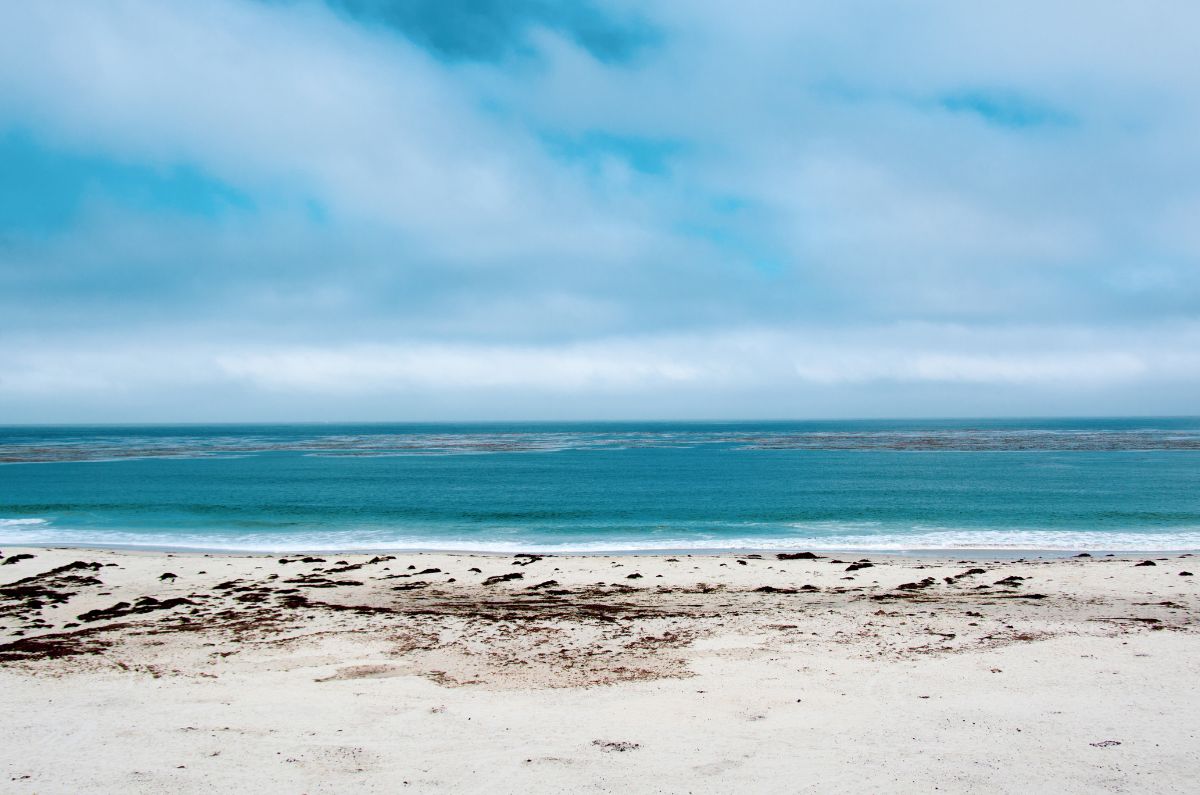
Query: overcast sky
point(428, 209)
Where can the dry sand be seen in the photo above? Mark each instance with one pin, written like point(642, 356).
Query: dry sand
point(713, 673)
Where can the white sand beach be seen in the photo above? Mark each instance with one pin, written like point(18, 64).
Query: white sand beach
point(717, 673)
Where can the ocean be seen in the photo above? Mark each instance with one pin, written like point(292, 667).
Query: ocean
point(1068, 485)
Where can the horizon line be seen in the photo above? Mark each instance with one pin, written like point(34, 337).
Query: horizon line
point(696, 421)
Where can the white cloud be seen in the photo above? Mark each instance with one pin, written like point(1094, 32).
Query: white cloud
point(280, 97)
point(874, 242)
point(807, 364)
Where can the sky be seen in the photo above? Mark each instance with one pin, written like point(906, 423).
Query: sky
point(296, 210)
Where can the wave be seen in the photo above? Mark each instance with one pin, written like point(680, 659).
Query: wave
point(863, 536)
point(6, 523)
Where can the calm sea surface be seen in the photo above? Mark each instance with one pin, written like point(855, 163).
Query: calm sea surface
point(1119, 484)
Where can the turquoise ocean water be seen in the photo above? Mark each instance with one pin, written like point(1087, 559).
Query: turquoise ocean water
point(1116, 484)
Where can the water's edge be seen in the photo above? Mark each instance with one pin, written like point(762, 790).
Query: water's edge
point(932, 554)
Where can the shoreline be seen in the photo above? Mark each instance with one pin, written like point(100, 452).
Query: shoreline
point(999, 553)
point(149, 671)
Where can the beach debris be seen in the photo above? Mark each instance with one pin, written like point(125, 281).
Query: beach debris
point(37, 596)
point(1012, 581)
point(343, 566)
point(862, 564)
point(546, 584)
point(167, 575)
point(312, 560)
point(145, 604)
point(319, 581)
point(524, 559)
point(16, 559)
point(634, 576)
point(617, 747)
point(56, 646)
point(1105, 744)
point(797, 556)
point(475, 570)
point(48, 588)
point(1185, 574)
point(951, 580)
point(916, 586)
point(1145, 563)
point(411, 586)
point(78, 565)
point(516, 575)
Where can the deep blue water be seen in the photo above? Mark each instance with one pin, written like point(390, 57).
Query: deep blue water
point(1048, 484)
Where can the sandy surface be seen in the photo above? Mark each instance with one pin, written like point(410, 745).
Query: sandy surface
point(625, 674)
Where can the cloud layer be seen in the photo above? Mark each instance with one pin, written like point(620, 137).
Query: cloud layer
point(372, 209)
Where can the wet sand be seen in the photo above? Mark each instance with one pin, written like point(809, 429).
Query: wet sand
point(148, 672)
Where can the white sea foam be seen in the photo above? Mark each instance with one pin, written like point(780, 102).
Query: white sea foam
point(857, 536)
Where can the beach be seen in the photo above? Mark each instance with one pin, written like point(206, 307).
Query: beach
point(599, 397)
point(139, 671)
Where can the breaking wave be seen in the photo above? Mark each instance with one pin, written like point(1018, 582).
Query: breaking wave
point(825, 536)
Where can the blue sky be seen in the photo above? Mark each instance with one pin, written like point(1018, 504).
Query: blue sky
point(389, 209)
